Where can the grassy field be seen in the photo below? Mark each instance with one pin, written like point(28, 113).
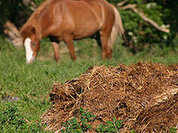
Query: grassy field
point(31, 83)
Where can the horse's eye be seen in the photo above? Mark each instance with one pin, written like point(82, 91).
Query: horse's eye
point(33, 44)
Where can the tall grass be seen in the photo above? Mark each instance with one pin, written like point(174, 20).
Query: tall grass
point(31, 83)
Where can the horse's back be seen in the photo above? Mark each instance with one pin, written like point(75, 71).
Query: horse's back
point(87, 16)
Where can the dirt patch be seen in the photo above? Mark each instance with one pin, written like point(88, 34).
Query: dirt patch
point(143, 95)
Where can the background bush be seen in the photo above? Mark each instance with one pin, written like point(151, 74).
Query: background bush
point(141, 34)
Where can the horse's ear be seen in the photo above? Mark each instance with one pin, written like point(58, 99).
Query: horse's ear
point(27, 31)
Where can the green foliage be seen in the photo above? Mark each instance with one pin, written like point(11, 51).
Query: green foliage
point(110, 126)
point(12, 121)
point(173, 130)
point(38, 2)
point(81, 124)
point(10, 117)
point(141, 34)
point(132, 131)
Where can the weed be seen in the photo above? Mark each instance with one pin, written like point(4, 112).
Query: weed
point(12, 121)
point(173, 130)
point(110, 126)
point(81, 124)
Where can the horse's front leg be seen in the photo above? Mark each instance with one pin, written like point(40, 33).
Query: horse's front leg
point(68, 39)
point(56, 51)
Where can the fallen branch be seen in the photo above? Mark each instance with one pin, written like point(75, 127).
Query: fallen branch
point(142, 15)
point(13, 33)
point(121, 3)
point(33, 6)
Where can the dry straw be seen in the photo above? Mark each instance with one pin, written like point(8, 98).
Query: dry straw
point(143, 95)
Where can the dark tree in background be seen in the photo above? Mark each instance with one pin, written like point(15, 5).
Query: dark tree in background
point(147, 22)
point(15, 11)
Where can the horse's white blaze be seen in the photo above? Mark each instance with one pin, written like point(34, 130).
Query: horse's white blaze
point(29, 52)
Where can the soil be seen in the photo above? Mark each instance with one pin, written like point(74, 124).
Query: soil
point(143, 95)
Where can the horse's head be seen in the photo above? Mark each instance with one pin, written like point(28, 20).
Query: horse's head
point(31, 43)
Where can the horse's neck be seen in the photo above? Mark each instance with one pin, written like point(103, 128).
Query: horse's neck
point(38, 32)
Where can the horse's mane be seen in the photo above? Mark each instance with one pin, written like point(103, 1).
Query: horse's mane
point(31, 21)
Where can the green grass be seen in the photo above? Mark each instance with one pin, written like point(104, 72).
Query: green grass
point(31, 83)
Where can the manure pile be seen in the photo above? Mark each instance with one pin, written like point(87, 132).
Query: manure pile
point(143, 95)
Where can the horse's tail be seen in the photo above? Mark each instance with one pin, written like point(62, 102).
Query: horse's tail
point(117, 27)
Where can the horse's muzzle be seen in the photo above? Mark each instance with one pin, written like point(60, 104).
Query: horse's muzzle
point(30, 61)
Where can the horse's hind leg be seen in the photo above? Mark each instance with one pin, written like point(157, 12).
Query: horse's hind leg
point(106, 49)
point(68, 39)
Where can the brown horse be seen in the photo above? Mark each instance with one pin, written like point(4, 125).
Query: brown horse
point(68, 20)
